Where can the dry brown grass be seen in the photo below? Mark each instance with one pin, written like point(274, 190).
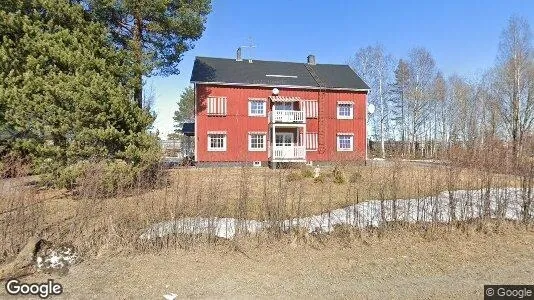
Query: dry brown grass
point(101, 225)
point(445, 264)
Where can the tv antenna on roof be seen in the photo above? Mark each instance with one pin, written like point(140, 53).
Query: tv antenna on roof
point(251, 46)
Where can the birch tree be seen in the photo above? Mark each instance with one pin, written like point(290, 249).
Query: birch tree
point(398, 100)
point(439, 92)
point(422, 71)
point(514, 80)
point(375, 67)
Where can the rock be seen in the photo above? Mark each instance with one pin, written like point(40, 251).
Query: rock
point(39, 255)
point(24, 263)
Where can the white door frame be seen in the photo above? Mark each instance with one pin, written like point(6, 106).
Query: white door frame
point(284, 134)
point(287, 105)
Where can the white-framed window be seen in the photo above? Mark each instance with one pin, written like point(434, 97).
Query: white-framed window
point(345, 110)
point(283, 106)
point(216, 106)
point(256, 107)
point(257, 141)
point(216, 141)
point(345, 142)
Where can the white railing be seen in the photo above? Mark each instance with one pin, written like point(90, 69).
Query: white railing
point(288, 116)
point(289, 152)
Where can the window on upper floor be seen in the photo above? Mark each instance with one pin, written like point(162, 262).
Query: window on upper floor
point(216, 106)
point(345, 110)
point(257, 107)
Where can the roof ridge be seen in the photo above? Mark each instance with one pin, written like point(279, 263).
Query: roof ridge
point(269, 61)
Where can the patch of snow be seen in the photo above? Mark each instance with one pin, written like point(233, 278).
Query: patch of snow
point(170, 296)
point(57, 258)
point(466, 204)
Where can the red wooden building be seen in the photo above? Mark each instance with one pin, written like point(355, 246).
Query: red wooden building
point(260, 112)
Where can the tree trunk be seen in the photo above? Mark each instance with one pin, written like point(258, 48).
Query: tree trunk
point(382, 143)
point(138, 52)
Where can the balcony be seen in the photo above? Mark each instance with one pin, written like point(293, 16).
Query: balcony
point(287, 116)
point(288, 153)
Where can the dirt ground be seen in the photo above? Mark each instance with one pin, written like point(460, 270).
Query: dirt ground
point(452, 265)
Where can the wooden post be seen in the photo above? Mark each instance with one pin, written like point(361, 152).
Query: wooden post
point(273, 143)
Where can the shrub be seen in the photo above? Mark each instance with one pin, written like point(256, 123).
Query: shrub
point(13, 165)
point(307, 173)
point(339, 178)
point(294, 176)
point(355, 177)
point(320, 179)
point(99, 177)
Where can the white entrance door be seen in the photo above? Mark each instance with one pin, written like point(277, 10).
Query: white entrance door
point(284, 144)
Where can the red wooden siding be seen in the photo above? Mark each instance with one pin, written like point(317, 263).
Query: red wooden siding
point(237, 124)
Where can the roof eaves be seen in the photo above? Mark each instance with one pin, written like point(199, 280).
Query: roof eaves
point(283, 86)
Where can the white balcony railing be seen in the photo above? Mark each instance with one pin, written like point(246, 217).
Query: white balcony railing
point(287, 116)
point(288, 153)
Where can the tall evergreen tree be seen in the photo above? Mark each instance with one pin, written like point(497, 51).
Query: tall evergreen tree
point(65, 91)
point(186, 107)
point(157, 32)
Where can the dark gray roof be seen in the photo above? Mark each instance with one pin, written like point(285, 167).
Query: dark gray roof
point(230, 71)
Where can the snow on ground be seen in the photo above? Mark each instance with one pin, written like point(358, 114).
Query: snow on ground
point(57, 258)
point(466, 204)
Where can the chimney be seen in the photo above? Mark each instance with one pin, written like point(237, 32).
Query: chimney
point(238, 56)
point(311, 59)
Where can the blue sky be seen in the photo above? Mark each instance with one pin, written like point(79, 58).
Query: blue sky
point(462, 35)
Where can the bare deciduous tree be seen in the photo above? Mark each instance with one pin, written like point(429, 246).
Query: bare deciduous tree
point(375, 67)
point(514, 79)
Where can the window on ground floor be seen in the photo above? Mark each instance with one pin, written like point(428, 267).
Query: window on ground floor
point(216, 142)
point(345, 142)
point(256, 142)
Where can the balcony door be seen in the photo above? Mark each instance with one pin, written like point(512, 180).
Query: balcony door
point(284, 144)
point(284, 139)
point(283, 106)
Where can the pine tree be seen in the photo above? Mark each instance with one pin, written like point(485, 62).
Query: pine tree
point(186, 107)
point(66, 93)
point(156, 32)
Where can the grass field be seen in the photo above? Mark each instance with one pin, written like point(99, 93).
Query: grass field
point(398, 265)
point(113, 224)
point(387, 261)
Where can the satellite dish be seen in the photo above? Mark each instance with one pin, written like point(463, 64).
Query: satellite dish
point(275, 91)
point(371, 108)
